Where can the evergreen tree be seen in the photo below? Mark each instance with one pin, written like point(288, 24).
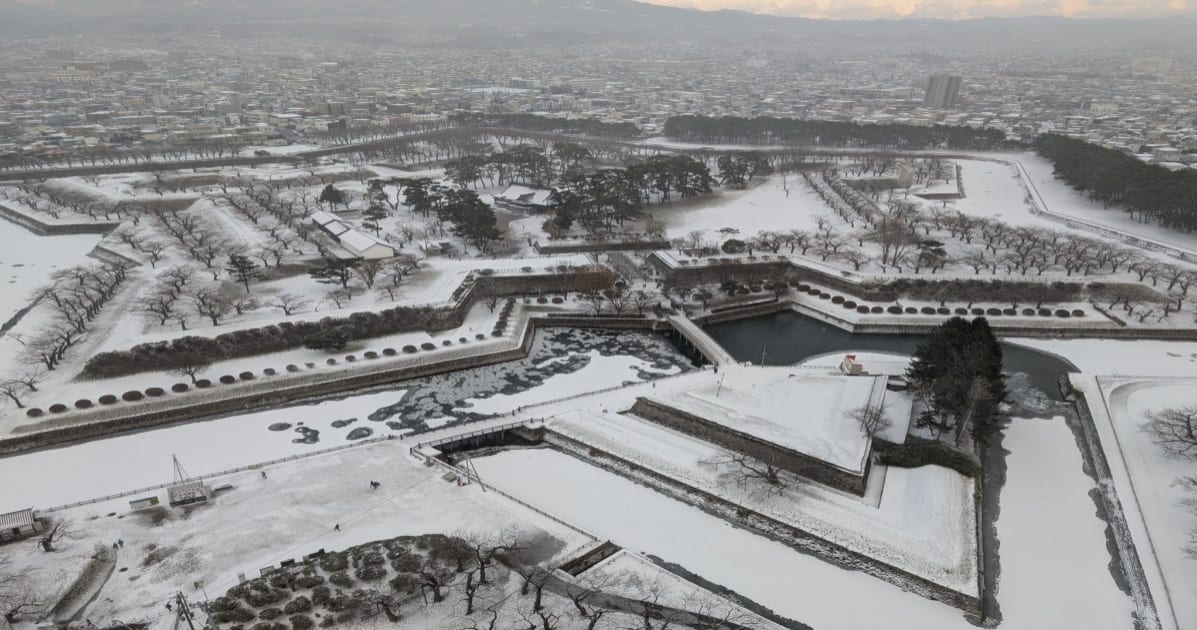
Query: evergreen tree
point(244, 269)
point(335, 271)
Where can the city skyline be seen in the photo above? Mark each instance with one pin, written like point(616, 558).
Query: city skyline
point(941, 9)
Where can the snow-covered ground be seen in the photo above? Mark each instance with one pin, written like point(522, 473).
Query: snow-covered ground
point(262, 521)
point(27, 260)
point(1146, 480)
point(763, 402)
point(1110, 356)
point(1061, 199)
point(763, 206)
point(1041, 586)
point(141, 459)
point(920, 520)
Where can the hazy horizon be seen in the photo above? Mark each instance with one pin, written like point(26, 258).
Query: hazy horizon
point(946, 9)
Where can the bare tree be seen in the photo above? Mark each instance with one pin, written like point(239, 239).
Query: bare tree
point(746, 471)
point(870, 418)
point(20, 597)
point(1174, 429)
point(211, 303)
point(14, 391)
point(288, 303)
point(193, 366)
point(63, 529)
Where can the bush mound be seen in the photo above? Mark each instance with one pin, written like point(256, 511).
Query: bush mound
point(228, 379)
point(927, 310)
point(862, 309)
point(1078, 313)
point(1063, 312)
point(389, 352)
point(58, 408)
point(839, 299)
point(291, 367)
point(877, 309)
point(179, 388)
point(479, 336)
point(370, 354)
point(894, 310)
point(246, 376)
point(132, 396)
point(993, 311)
point(34, 412)
point(913, 455)
point(107, 399)
point(1028, 311)
point(427, 346)
point(155, 392)
point(910, 310)
point(1009, 311)
point(270, 372)
point(849, 304)
point(410, 349)
point(330, 361)
point(960, 310)
point(84, 403)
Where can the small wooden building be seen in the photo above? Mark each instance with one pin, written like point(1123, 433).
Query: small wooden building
point(18, 525)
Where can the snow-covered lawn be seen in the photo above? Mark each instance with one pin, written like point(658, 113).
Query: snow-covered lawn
point(27, 260)
point(806, 413)
point(920, 520)
point(260, 522)
point(763, 206)
point(1050, 572)
point(1062, 199)
point(1110, 356)
point(141, 459)
point(1149, 486)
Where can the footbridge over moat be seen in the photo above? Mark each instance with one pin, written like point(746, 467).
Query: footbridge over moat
point(701, 341)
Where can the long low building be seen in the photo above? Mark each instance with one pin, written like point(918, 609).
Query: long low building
point(354, 241)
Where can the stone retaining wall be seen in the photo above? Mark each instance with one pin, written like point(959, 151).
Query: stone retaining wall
point(578, 248)
point(38, 226)
point(756, 522)
point(793, 461)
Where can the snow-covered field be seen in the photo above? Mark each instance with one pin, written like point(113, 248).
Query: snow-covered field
point(27, 260)
point(260, 522)
point(1061, 199)
point(1150, 486)
point(920, 520)
point(1040, 585)
point(764, 402)
point(587, 360)
point(763, 206)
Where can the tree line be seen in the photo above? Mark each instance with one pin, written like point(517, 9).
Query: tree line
point(531, 122)
point(1149, 193)
point(766, 130)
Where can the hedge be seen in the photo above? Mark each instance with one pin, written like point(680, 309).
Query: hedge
point(913, 455)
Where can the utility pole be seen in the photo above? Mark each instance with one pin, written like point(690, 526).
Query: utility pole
point(184, 609)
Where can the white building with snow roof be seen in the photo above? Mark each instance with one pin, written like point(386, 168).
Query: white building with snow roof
point(355, 242)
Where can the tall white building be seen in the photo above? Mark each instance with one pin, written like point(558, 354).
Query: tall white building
point(942, 90)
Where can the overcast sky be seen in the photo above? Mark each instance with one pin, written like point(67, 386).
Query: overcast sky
point(952, 9)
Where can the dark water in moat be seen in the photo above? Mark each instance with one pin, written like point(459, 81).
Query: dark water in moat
point(787, 338)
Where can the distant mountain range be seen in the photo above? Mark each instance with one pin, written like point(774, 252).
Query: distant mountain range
point(488, 23)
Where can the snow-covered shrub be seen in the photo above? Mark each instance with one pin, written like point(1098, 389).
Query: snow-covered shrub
point(1063, 312)
point(486, 272)
point(246, 376)
point(228, 379)
point(154, 392)
point(292, 368)
point(894, 310)
point(943, 310)
point(298, 605)
point(927, 310)
point(270, 372)
point(300, 622)
point(848, 304)
point(1045, 312)
point(83, 403)
point(333, 562)
point(446, 343)
point(1078, 313)
point(993, 311)
point(960, 310)
point(34, 412)
point(977, 311)
point(1009, 311)
point(558, 300)
point(370, 354)
point(350, 358)
point(269, 613)
point(309, 581)
point(876, 310)
point(371, 573)
point(427, 346)
point(390, 352)
point(330, 361)
point(1029, 312)
point(839, 299)
point(132, 396)
point(479, 336)
point(58, 408)
point(409, 349)
point(179, 388)
point(462, 340)
point(321, 595)
point(341, 579)
point(203, 383)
